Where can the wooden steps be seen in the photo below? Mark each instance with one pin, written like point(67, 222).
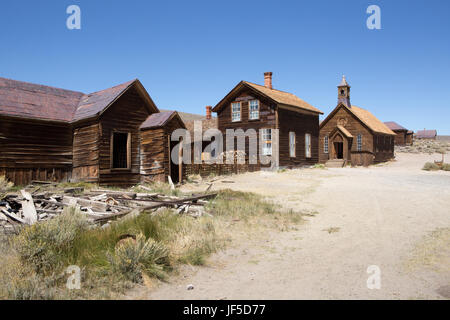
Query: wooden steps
point(335, 163)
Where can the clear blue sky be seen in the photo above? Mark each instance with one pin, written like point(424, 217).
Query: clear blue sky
point(189, 54)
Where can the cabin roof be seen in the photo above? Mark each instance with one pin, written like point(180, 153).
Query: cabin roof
point(344, 131)
point(279, 97)
point(35, 101)
point(370, 120)
point(363, 115)
point(394, 126)
point(159, 119)
point(424, 134)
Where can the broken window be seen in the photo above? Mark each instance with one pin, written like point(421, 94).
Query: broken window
point(120, 150)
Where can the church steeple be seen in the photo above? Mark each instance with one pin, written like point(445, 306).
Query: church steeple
point(344, 93)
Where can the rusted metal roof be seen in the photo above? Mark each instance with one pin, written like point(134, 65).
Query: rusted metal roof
point(426, 134)
point(35, 101)
point(156, 120)
point(394, 126)
point(27, 100)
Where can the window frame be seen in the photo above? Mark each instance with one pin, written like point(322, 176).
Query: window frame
point(265, 141)
point(308, 147)
point(359, 142)
point(326, 145)
point(111, 148)
point(250, 110)
point(292, 144)
point(240, 111)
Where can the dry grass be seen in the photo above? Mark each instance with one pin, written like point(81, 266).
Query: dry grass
point(432, 252)
point(425, 146)
point(34, 263)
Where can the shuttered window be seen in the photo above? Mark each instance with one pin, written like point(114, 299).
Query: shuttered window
point(308, 145)
point(359, 142)
point(292, 144)
point(253, 110)
point(236, 111)
point(325, 144)
point(267, 142)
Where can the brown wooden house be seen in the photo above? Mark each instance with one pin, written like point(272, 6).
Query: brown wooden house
point(54, 134)
point(403, 135)
point(350, 134)
point(426, 134)
point(156, 147)
point(253, 106)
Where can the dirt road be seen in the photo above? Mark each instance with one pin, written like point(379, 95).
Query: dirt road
point(394, 216)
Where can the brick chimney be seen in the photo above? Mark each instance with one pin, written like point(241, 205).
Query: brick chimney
point(208, 112)
point(268, 80)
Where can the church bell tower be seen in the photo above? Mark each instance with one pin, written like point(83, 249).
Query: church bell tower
point(344, 93)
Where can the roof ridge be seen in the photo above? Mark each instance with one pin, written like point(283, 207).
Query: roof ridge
point(271, 88)
point(40, 85)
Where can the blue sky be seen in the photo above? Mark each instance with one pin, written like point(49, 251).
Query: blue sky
point(189, 54)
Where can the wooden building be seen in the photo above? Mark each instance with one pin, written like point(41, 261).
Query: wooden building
point(426, 134)
point(350, 134)
point(403, 136)
point(156, 147)
point(54, 134)
point(262, 108)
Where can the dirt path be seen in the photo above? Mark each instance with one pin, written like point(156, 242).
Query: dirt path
point(395, 216)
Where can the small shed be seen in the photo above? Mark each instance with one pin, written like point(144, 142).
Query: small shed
point(156, 147)
point(403, 135)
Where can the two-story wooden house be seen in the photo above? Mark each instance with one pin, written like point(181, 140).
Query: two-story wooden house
point(262, 108)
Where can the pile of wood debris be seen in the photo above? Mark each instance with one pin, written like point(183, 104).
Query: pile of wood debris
point(40, 202)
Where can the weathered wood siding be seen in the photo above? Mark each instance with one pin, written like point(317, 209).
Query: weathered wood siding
point(86, 143)
point(301, 124)
point(267, 117)
point(125, 115)
point(400, 137)
point(384, 147)
point(153, 155)
point(33, 150)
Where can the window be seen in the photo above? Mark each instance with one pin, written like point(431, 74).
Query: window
point(325, 144)
point(267, 142)
point(236, 111)
point(120, 150)
point(359, 142)
point(253, 110)
point(308, 145)
point(292, 144)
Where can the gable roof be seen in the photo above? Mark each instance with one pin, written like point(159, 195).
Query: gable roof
point(28, 100)
point(363, 115)
point(35, 101)
point(424, 134)
point(277, 96)
point(160, 119)
point(344, 131)
point(394, 126)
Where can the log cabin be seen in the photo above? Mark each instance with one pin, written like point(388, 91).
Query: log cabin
point(263, 108)
point(350, 134)
point(403, 136)
point(53, 134)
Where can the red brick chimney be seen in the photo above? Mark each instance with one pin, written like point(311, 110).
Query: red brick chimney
point(268, 80)
point(208, 112)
